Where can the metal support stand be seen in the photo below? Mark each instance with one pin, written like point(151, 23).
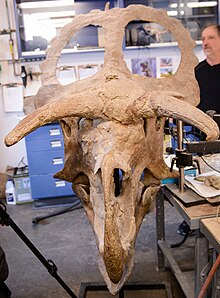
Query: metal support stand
point(97, 287)
point(164, 251)
point(76, 205)
point(160, 226)
point(180, 148)
point(201, 260)
point(49, 264)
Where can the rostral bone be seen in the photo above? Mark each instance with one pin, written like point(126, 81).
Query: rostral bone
point(115, 120)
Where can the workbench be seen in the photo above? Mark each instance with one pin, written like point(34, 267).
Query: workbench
point(193, 209)
point(210, 228)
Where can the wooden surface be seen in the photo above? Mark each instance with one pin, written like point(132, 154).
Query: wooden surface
point(195, 211)
point(200, 211)
point(212, 226)
point(188, 197)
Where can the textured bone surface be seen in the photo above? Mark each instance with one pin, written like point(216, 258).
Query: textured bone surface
point(211, 180)
point(113, 125)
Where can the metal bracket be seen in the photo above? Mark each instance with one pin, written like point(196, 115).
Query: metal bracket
point(205, 271)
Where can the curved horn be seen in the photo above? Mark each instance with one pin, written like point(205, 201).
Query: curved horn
point(85, 104)
point(170, 106)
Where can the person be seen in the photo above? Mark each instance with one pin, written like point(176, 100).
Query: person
point(207, 74)
point(3, 266)
point(4, 291)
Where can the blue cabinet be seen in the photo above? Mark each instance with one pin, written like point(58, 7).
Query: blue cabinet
point(45, 153)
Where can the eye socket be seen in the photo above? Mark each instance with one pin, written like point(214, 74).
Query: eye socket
point(66, 128)
point(118, 177)
point(82, 185)
point(85, 123)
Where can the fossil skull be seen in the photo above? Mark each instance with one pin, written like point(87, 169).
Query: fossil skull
point(113, 126)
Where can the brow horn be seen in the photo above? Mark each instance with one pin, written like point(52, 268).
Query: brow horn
point(171, 106)
point(84, 104)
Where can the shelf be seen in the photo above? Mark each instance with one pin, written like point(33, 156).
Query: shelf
point(87, 37)
point(42, 54)
point(153, 45)
point(196, 16)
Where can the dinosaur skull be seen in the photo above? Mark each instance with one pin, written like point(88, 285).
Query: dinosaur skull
point(113, 128)
point(102, 152)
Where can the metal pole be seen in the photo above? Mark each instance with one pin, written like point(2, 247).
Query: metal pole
point(51, 267)
point(11, 40)
point(180, 147)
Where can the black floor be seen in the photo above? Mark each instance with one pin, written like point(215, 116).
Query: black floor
point(69, 241)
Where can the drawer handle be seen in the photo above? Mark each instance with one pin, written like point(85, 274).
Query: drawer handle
point(57, 161)
point(54, 132)
point(60, 183)
point(55, 144)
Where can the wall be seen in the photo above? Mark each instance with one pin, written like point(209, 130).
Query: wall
point(13, 155)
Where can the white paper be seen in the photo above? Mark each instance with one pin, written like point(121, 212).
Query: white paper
point(200, 188)
point(66, 76)
point(86, 72)
point(13, 98)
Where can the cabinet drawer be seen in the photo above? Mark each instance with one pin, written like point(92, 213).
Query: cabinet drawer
point(49, 131)
point(45, 162)
point(45, 186)
point(44, 144)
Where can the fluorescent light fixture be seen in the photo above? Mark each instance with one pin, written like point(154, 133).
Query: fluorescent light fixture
point(44, 4)
point(172, 13)
point(55, 14)
point(202, 4)
point(173, 5)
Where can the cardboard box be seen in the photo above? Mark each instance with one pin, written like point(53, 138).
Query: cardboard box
point(22, 185)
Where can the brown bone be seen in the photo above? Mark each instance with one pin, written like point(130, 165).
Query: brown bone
point(115, 121)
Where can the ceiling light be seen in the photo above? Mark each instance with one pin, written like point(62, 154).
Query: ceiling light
point(55, 14)
point(202, 4)
point(44, 4)
point(172, 13)
point(173, 5)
